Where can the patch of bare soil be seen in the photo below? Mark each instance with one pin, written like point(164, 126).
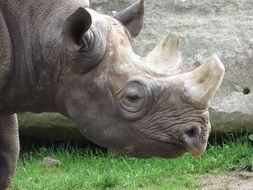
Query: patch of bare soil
point(229, 181)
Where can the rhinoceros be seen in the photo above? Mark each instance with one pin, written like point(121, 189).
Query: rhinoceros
point(62, 56)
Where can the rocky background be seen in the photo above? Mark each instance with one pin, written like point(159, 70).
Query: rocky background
point(224, 27)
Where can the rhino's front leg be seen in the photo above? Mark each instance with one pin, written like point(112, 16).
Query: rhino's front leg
point(9, 148)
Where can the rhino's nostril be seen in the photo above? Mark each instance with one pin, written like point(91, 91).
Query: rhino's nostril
point(192, 142)
point(191, 133)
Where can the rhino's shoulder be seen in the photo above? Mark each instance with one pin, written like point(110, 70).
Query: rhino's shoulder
point(5, 53)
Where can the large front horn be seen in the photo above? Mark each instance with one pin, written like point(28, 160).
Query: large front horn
point(202, 83)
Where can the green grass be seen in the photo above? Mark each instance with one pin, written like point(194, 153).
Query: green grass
point(81, 169)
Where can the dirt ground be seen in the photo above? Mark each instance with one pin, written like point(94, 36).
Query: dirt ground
point(229, 181)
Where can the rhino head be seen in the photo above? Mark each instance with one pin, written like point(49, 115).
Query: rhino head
point(139, 106)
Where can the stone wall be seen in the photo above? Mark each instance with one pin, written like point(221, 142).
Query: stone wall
point(224, 27)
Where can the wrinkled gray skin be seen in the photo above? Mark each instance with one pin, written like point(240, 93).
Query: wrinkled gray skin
point(60, 56)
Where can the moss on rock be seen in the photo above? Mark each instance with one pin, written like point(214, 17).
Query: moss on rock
point(48, 126)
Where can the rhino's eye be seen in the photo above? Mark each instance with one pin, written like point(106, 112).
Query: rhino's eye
point(132, 95)
point(134, 100)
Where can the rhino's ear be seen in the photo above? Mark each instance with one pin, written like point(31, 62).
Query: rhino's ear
point(75, 33)
point(132, 18)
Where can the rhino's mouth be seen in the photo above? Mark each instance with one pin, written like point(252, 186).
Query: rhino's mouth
point(192, 139)
point(197, 153)
point(178, 150)
point(146, 147)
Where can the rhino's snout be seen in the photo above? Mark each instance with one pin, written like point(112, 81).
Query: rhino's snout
point(195, 138)
point(191, 140)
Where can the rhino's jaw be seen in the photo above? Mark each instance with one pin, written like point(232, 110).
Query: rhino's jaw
point(144, 146)
point(172, 132)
